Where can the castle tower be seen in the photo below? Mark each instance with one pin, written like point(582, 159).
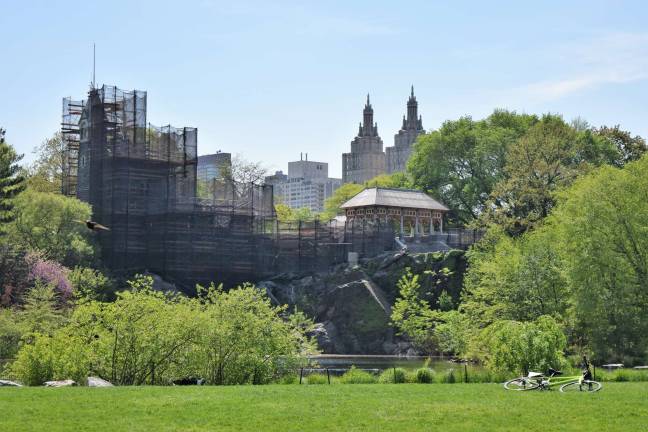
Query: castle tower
point(367, 158)
point(412, 127)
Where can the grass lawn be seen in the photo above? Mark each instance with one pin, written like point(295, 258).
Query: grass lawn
point(375, 407)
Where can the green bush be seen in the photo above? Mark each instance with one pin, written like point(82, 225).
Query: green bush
point(519, 347)
point(449, 377)
point(316, 378)
point(622, 375)
point(357, 376)
point(393, 376)
point(148, 337)
point(288, 379)
point(425, 375)
point(410, 377)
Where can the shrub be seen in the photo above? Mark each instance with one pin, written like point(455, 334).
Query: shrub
point(357, 376)
point(148, 337)
point(288, 379)
point(316, 378)
point(622, 375)
point(424, 375)
point(514, 346)
point(449, 377)
point(393, 376)
point(410, 377)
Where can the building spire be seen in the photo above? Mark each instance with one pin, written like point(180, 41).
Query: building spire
point(412, 94)
point(367, 117)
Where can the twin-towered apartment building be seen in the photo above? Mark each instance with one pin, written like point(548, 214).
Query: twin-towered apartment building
point(367, 158)
point(307, 183)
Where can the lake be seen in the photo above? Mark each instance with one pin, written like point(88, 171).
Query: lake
point(336, 361)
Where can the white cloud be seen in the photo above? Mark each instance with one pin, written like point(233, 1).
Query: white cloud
point(612, 59)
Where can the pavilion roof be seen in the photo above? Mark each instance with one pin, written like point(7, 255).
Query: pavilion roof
point(388, 197)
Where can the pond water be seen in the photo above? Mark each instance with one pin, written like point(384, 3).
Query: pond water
point(335, 361)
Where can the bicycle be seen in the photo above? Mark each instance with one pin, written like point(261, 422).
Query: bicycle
point(540, 381)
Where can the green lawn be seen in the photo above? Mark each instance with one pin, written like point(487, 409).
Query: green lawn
point(375, 407)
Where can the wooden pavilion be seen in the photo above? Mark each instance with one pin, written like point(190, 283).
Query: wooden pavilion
point(411, 208)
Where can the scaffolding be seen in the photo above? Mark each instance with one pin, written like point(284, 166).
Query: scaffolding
point(140, 180)
point(71, 114)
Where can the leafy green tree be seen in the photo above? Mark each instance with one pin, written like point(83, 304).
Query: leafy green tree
point(91, 284)
point(602, 229)
point(397, 180)
point(349, 190)
point(412, 315)
point(514, 346)
point(41, 312)
point(339, 197)
point(46, 173)
point(453, 332)
point(244, 339)
point(287, 214)
point(629, 148)
point(10, 333)
point(514, 279)
point(149, 337)
point(463, 161)
point(430, 330)
point(48, 224)
point(547, 158)
point(12, 183)
point(14, 273)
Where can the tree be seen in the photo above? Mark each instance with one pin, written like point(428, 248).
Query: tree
point(585, 266)
point(14, 273)
point(629, 148)
point(48, 224)
point(150, 337)
point(46, 173)
point(91, 284)
point(244, 339)
point(514, 279)
point(602, 229)
point(244, 171)
point(548, 157)
point(349, 190)
point(287, 214)
point(412, 315)
point(514, 346)
point(12, 183)
point(10, 333)
point(462, 162)
point(41, 312)
point(339, 197)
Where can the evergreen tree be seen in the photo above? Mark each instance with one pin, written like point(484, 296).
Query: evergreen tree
point(11, 181)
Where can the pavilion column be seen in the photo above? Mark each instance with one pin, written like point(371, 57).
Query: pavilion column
point(416, 225)
point(441, 224)
point(431, 226)
point(402, 225)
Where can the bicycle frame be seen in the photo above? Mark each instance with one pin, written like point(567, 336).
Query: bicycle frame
point(548, 382)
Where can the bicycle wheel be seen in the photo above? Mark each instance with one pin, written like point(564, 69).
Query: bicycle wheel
point(521, 384)
point(584, 386)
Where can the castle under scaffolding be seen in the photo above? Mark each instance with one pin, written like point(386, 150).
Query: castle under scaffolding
point(141, 182)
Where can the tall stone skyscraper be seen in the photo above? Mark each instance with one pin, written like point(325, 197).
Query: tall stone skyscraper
point(398, 155)
point(367, 158)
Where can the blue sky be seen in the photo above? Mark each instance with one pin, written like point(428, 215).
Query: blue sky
point(269, 80)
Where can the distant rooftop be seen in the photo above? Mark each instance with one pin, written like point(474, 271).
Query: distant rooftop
point(388, 197)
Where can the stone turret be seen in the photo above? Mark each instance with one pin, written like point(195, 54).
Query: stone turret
point(412, 127)
point(367, 158)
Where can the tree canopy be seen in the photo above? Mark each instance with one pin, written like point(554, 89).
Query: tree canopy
point(50, 224)
point(12, 183)
point(46, 173)
point(463, 161)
